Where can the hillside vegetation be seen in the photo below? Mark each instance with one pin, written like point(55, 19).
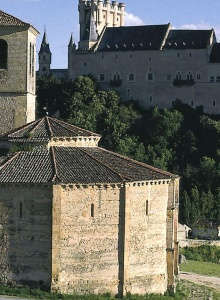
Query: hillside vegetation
point(182, 140)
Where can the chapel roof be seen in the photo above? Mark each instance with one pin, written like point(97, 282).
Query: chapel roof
point(69, 164)
point(44, 130)
point(75, 165)
point(11, 21)
point(148, 37)
point(188, 39)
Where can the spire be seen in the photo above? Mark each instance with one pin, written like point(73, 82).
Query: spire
point(45, 47)
point(71, 41)
point(93, 36)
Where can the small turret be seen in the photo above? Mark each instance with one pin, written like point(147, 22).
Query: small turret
point(44, 56)
point(71, 56)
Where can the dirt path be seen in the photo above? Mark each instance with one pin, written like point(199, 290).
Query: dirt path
point(212, 282)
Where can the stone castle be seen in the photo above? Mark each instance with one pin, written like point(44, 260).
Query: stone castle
point(154, 64)
point(75, 218)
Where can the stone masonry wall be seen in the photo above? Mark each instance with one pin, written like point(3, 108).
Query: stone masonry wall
point(87, 253)
point(145, 236)
point(25, 231)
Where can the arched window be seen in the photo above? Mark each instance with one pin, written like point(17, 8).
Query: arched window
point(178, 76)
point(150, 77)
point(189, 76)
point(101, 77)
point(33, 60)
point(3, 54)
point(116, 76)
point(198, 76)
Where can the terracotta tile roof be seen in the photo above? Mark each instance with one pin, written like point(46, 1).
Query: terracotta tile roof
point(8, 20)
point(75, 165)
point(44, 129)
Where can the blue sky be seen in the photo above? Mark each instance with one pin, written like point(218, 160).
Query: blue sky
point(60, 17)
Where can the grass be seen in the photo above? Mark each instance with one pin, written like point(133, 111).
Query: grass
point(38, 294)
point(203, 268)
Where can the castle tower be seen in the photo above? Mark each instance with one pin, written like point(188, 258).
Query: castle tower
point(44, 57)
point(94, 16)
point(71, 57)
point(17, 72)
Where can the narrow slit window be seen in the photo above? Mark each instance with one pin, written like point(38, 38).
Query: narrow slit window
point(147, 208)
point(3, 54)
point(21, 212)
point(92, 210)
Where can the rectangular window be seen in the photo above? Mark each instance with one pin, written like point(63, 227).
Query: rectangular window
point(192, 103)
point(212, 79)
point(213, 103)
point(21, 212)
point(102, 77)
point(218, 79)
point(168, 77)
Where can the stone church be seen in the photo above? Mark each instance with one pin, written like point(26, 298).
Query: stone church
point(17, 72)
point(153, 64)
point(75, 218)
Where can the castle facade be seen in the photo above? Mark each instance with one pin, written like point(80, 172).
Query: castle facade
point(153, 64)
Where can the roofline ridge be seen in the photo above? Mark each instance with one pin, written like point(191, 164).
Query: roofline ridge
point(61, 123)
point(97, 160)
point(49, 127)
point(20, 128)
point(56, 176)
point(143, 164)
point(10, 159)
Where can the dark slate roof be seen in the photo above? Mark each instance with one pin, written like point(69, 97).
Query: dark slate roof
point(69, 165)
point(44, 129)
point(8, 20)
point(133, 38)
point(188, 39)
point(215, 54)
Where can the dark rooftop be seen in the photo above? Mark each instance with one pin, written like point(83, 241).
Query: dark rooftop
point(83, 165)
point(44, 129)
point(188, 39)
point(133, 38)
point(215, 54)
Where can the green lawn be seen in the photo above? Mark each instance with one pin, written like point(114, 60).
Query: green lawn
point(203, 268)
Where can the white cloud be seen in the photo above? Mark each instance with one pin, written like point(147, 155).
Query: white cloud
point(132, 20)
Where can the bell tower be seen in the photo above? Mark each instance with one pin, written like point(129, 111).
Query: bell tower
point(44, 57)
point(17, 72)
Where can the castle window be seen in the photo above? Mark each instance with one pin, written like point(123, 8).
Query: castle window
point(116, 76)
point(150, 77)
point(149, 58)
point(128, 91)
point(150, 98)
point(212, 79)
point(44, 58)
point(178, 76)
point(132, 98)
point(213, 103)
point(190, 54)
point(131, 56)
point(101, 77)
point(102, 56)
point(168, 77)
point(218, 79)
point(178, 55)
point(131, 77)
point(92, 210)
point(192, 103)
point(189, 76)
point(44, 69)
point(84, 64)
point(116, 56)
point(198, 76)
